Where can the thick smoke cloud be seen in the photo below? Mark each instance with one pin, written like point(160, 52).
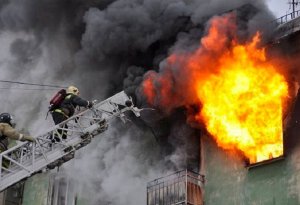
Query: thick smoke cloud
point(141, 33)
point(105, 46)
point(115, 170)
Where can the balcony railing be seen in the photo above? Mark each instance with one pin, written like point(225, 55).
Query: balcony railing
point(288, 17)
point(285, 25)
point(181, 188)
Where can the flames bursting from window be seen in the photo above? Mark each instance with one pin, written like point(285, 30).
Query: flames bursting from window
point(240, 92)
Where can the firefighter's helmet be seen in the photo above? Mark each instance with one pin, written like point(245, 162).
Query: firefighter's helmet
point(7, 118)
point(72, 89)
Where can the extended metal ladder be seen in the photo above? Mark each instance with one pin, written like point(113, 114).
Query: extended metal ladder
point(28, 158)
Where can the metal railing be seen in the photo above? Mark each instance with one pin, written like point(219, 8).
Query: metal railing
point(288, 17)
point(285, 25)
point(181, 188)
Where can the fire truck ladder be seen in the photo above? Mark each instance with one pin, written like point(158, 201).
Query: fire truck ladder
point(51, 150)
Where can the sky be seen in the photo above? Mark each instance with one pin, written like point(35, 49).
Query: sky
point(280, 7)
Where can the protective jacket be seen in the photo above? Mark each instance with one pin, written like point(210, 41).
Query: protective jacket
point(69, 104)
point(6, 131)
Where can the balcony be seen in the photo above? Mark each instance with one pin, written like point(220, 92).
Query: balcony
point(180, 188)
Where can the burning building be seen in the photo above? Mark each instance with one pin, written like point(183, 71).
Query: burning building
point(240, 94)
point(246, 103)
point(222, 82)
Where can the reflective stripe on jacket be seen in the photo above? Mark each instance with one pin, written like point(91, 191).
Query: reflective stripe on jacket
point(60, 110)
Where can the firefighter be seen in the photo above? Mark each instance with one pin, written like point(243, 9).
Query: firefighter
point(7, 131)
point(67, 109)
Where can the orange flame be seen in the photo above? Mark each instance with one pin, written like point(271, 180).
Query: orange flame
point(241, 92)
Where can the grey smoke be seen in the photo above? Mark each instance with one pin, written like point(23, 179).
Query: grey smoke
point(105, 46)
point(115, 170)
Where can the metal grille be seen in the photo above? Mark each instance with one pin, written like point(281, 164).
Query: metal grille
point(182, 187)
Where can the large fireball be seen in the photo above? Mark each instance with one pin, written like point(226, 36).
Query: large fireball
point(240, 91)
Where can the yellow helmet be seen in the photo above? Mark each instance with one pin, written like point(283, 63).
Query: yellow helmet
point(72, 89)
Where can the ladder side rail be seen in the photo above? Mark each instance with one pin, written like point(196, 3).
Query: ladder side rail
point(28, 158)
point(20, 149)
point(115, 98)
point(22, 174)
point(53, 132)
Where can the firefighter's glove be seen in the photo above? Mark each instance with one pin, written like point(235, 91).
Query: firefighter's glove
point(91, 104)
point(26, 138)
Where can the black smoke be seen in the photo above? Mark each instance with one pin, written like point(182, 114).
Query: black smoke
point(103, 47)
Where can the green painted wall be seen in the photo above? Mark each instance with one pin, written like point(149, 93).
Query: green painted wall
point(40, 188)
point(36, 190)
point(82, 201)
point(229, 182)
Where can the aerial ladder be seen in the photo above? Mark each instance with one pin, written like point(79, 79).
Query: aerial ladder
point(29, 158)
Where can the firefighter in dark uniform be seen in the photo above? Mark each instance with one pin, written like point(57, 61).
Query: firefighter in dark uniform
point(67, 108)
point(7, 131)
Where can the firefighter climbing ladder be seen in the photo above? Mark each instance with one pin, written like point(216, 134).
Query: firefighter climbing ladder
point(29, 158)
